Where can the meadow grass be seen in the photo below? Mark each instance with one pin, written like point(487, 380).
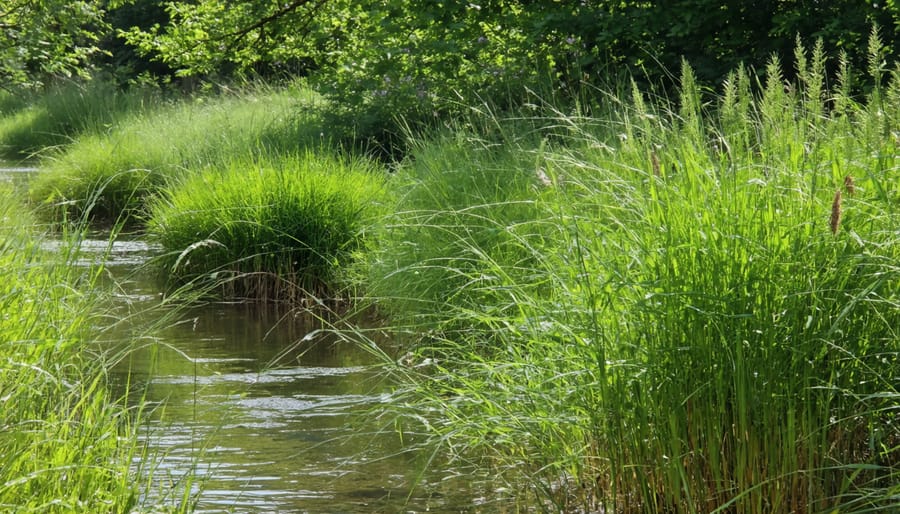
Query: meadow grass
point(273, 230)
point(67, 444)
point(32, 123)
point(461, 226)
point(696, 311)
point(110, 174)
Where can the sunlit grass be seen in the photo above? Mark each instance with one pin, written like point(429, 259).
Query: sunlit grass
point(278, 230)
point(678, 321)
point(110, 174)
point(34, 123)
point(67, 444)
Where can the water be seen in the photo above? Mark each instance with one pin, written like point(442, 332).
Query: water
point(268, 412)
point(265, 412)
point(285, 437)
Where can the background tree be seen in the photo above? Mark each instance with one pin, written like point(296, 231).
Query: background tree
point(383, 59)
point(123, 61)
point(40, 39)
point(463, 46)
point(225, 36)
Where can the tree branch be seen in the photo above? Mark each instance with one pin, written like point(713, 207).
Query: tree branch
point(287, 9)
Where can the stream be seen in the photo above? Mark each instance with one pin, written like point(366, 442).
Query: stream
point(255, 411)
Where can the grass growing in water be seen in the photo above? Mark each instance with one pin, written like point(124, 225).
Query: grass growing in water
point(694, 334)
point(280, 230)
point(66, 444)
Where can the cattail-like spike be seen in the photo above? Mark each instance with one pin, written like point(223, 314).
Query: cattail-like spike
point(654, 161)
point(849, 185)
point(836, 212)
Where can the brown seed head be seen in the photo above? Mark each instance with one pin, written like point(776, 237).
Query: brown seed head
point(836, 212)
point(654, 160)
point(849, 185)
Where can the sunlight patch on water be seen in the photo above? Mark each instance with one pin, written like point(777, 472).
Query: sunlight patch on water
point(111, 253)
point(267, 377)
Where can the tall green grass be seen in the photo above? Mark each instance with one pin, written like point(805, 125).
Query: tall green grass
point(279, 230)
point(105, 175)
point(460, 229)
point(697, 312)
point(34, 123)
point(66, 443)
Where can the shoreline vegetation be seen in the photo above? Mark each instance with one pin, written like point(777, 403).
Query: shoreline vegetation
point(68, 443)
point(642, 304)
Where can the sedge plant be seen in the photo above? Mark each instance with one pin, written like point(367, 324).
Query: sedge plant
point(709, 321)
point(280, 230)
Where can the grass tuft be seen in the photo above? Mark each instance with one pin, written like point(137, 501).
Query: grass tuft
point(33, 124)
point(273, 231)
point(104, 176)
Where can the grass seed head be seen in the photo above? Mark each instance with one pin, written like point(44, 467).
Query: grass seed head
point(849, 185)
point(542, 177)
point(836, 212)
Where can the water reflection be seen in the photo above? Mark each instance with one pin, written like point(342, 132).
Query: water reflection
point(14, 173)
point(271, 413)
point(268, 418)
point(297, 437)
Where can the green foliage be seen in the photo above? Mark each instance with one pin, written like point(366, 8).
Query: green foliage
point(420, 62)
point(107, 174)
point(41, 39)
point(459, 233)
point(709, 323)
point(37, 123)
point(276, 230)
point(66, 444)
point(214, 35)
point(124, 61)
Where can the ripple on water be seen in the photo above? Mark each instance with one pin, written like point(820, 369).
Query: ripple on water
point(266, 377)
point(89, 252)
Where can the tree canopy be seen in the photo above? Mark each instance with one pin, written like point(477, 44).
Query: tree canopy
point(713, 35)
point(408, 53)
point(43, 38)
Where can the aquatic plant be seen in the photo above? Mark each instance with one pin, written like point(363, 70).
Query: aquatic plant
point(267, 230)
point(693, 332)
